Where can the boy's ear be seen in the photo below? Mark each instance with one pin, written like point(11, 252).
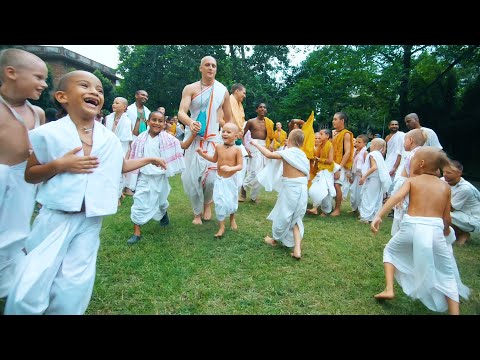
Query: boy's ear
point(61, 97)
point(10, 72)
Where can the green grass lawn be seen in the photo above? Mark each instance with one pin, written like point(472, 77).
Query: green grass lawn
point(182, 269)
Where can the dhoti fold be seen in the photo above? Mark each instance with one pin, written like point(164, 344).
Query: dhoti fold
point(372, 198)
point(15, 215)
point(199, 176)
point(255, 164)
point(151, 198)
point(225, 196)
point(356, 192)
point(322, 191)
point(425, 267)
point(289, 209)
point(58, 273)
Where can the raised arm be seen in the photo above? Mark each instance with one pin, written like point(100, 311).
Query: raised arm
point(267, 153)
point(36, 173)
point(184, 107)
point(207, 157)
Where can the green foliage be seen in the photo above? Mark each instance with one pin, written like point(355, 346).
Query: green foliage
point(109, 92)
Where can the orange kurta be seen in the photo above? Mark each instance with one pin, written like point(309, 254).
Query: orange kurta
point(338, 149)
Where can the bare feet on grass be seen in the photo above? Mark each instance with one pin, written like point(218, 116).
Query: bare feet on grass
point(323, 214)
point(335, 213)
point(207, 211)
point(462, 239)
point(268, 240)
point(197, 220)
point(296, 255)
point(385, 295)
point(233, 224)
point(312, 211)
point(220, 232)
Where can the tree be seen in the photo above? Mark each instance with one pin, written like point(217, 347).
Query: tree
point(109, 92)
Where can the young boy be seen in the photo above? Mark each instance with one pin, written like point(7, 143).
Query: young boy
point(120, 124)
point(322, 191)
point(377, 180)
point(76, 191)
point(358, 161)
point(413, 141)
point(229, 160)
point(291, 204)
point(22, 76)
point(418, 255)
point(150, 200)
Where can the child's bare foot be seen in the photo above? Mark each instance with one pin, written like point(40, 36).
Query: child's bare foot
point(270, 241)
point(363, 221)
point(197, 220)
point(256, 201)
point(385, 295)
point(297, 256)
point(335, 213)
point(233, 224)
point(312, 211)
point(462, 238)
point(219, 233)
point(323, 214)
point(207, 211)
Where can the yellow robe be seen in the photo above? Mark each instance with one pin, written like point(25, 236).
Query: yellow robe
point(279, 140)
point(338, 149)
point(237, 112)
point(270, 132)
point(309, 142)
point(173, 129)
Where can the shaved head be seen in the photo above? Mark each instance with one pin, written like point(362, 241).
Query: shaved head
point(122, 100)
point(432, 157)
point(418, 136)
point(231, 126)
point(209, 58)
point(17, 58)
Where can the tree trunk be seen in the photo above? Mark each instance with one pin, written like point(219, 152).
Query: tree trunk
point(405, 78)
point(234, 62)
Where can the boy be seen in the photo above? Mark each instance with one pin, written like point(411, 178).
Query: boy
point(229, 160)
point(150, 200)
point(22, 76)
point(418, 255)
point(291, 204)
point(413, 141)
point(322, 190)
point(120, 124)
point(376, 179)
point(358, 161)
point(58, 273)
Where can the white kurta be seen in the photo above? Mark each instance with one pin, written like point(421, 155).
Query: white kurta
point(432, 138)
point(423, 262)
point(225, 196)
point(394, 149)
point(375, 186)
point(466, 202)
point(355, 188)
point(151, 195)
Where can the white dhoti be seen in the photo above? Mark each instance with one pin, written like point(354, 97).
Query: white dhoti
point(225, 196)
point(15, 215)
point(322, 191)
point(199, 176)
point(465, 222)
point(341, 179)
point(243, 172)
point(423, 262)
point(256, 163)
point(289, 210)
point(356, 192)
point(58, 273)
point(372, 198)
point(399, 211)
point(151, 198)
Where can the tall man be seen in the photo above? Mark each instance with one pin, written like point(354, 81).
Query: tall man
point(206, 100)
point(135, 111)
point(261, 129)
point(342, 155)
point(394, 142)
point(413, 122)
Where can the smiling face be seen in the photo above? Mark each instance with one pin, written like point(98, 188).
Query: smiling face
point(119, 105)
point(156, 123)
point(81, 94)
point(229, 133)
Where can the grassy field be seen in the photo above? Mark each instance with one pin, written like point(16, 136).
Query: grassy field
point(182, 269)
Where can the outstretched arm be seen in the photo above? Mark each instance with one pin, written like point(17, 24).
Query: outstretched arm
point(36, 173)
point(267, 153)
point(394, 199)
point(134, 164)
